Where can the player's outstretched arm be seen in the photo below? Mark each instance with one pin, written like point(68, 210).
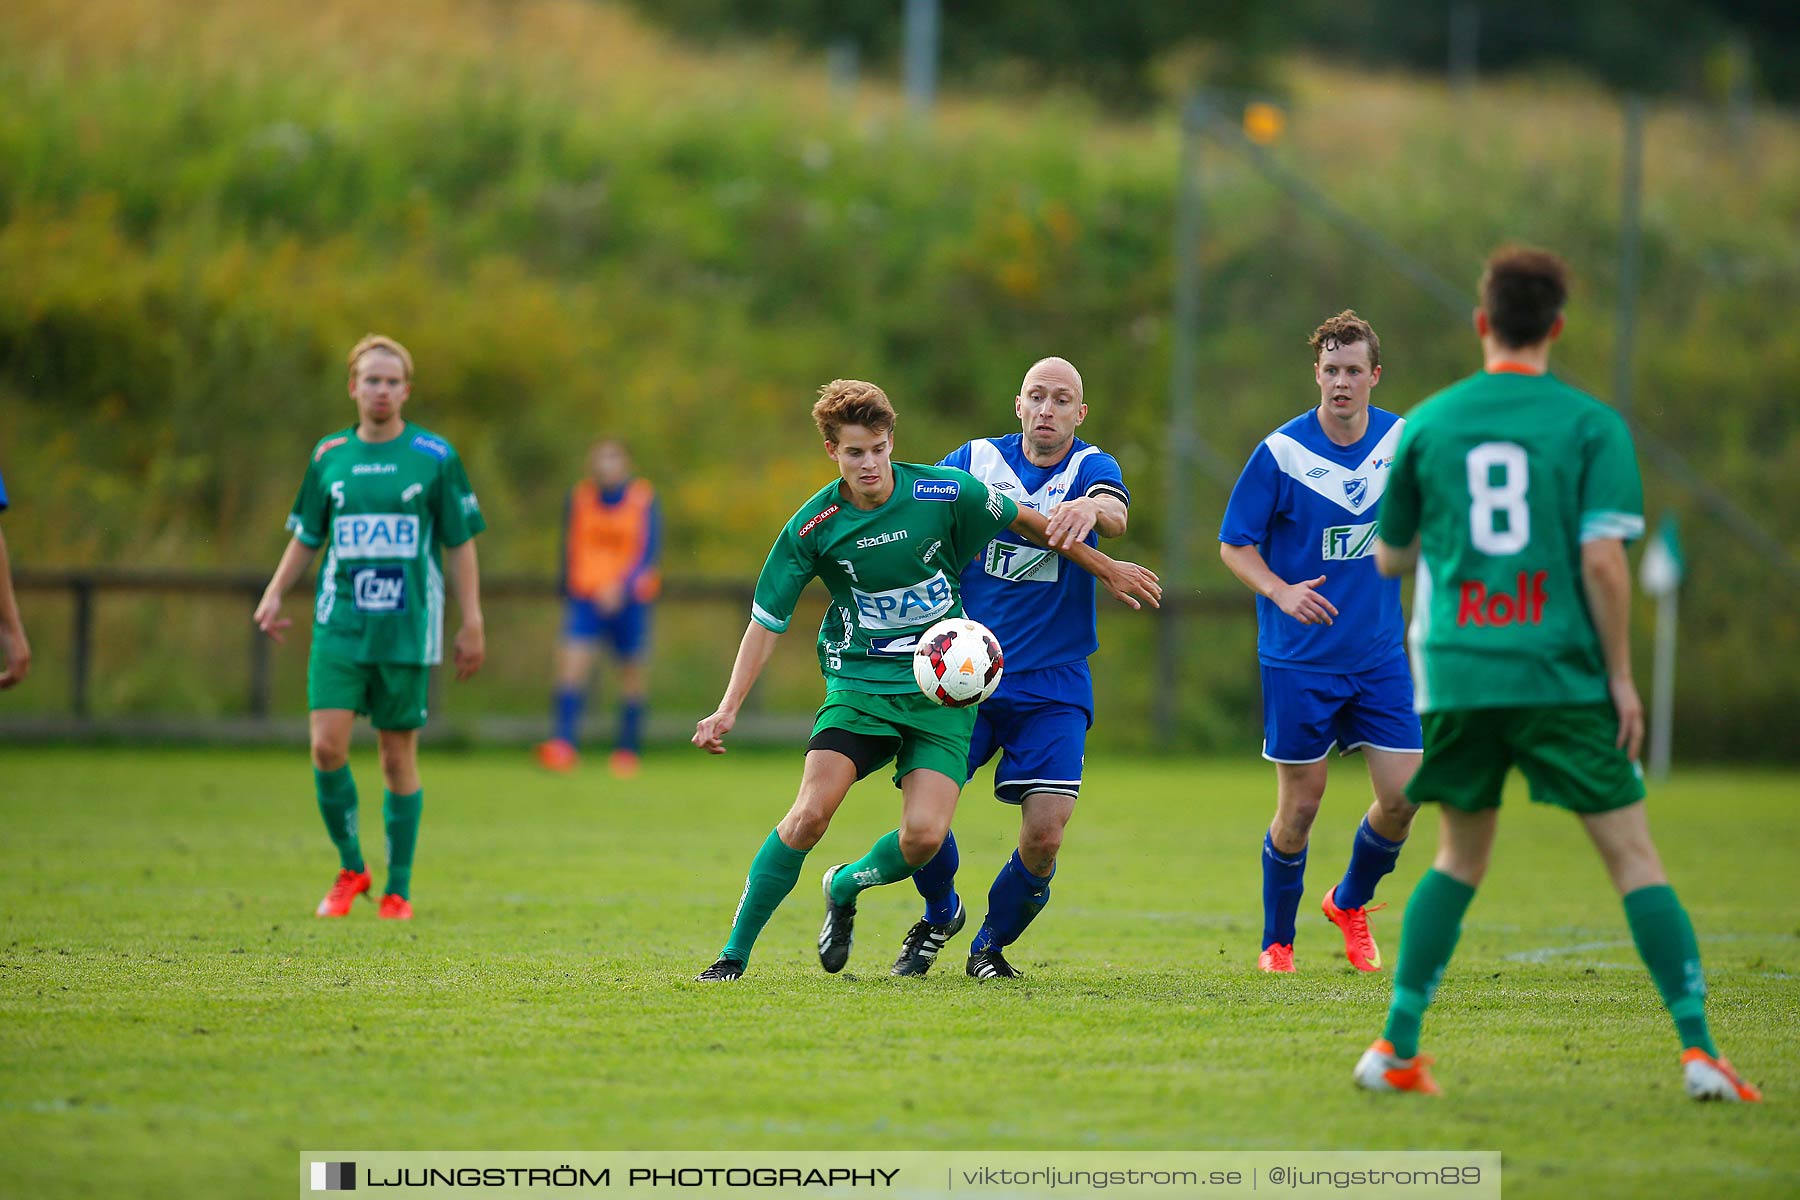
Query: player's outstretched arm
point(1606, 581)
point(15, 650)
point(753, 654)
point(1072, 520)
point(1297, 600)
point(1130, 584)
point(471, 638)
point(294, 561)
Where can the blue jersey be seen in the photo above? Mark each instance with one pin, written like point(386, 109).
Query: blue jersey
point(1039, 605)
point(2, 495)
point(1311, 506)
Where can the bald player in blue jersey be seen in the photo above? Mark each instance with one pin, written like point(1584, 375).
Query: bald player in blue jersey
point(1299, 531)
point(1041, 609)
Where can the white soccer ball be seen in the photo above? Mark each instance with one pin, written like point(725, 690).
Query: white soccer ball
point(958, 662)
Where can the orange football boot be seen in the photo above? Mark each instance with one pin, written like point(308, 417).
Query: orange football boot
point(395, 908)
point(347, 887)
point(623, 764)
point(1359, 943)
point(557, 755)
point(1709, 1078)
point(1380, 1070)
point(1278, 959)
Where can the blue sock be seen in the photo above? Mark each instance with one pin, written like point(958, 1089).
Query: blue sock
point(1371, 857)
point(1016, 897)
point(1284, 880)
point(568, 713)
point(631, 724)
point(936, 881)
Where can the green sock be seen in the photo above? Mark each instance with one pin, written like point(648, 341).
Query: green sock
point(1428, 936)
point(773, 873)
point(337, 804)
point(1665, 941)
point(882, 864)
point(402, 816)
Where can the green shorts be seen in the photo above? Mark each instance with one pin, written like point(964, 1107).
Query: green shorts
point(391, 695)
point(924, 732)
point(1566, 752)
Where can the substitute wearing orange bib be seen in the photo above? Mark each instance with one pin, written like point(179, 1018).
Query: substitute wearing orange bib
point(612, 535)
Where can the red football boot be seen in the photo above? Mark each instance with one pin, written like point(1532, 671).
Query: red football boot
point(348, 886)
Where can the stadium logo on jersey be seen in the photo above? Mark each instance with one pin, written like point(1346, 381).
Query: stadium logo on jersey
point(882, 539)
point(1318, 472)
point(808, 527)
point(1348, 541)
point(436, 447)
point(1476, 606)
point(904, 607)
point(379, 589)
point(376, 535)
point(327, 445)
point(936, 489)
point(1356, 491)
point(1021, 564)
point(373, 469)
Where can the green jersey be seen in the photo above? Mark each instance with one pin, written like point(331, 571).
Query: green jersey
point(386, 508)
point(1503, 477)
point(892, 571)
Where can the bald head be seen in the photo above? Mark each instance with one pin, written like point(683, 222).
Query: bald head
point(1050, 406)
point(1052, 371)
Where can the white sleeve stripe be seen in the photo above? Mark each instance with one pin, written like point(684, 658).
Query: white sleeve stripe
point(299, 531)
point(1601, 524)
point(767, 619)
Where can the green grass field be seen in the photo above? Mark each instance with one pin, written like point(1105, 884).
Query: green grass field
point(173, 1020)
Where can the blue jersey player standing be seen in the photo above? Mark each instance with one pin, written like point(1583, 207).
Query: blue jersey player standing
point(1041, 609)
point(1300, 532)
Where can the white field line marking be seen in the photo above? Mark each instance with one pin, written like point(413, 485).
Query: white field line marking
point(1546, 953)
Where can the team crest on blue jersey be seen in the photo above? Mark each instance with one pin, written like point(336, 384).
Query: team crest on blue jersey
point(1356, 491)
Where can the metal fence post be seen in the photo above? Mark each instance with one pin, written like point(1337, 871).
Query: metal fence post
point(81, 649)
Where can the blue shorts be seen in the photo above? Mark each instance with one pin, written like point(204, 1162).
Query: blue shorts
point(1307, 713)
point(1038, 722)
point(626, 630)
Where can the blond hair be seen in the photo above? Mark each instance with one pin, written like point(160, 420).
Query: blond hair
point(852, 402)
point(386, 345)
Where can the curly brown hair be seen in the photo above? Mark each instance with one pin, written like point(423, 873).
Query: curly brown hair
point(852, 402)
point(1523, 290)
point(1346, 329)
